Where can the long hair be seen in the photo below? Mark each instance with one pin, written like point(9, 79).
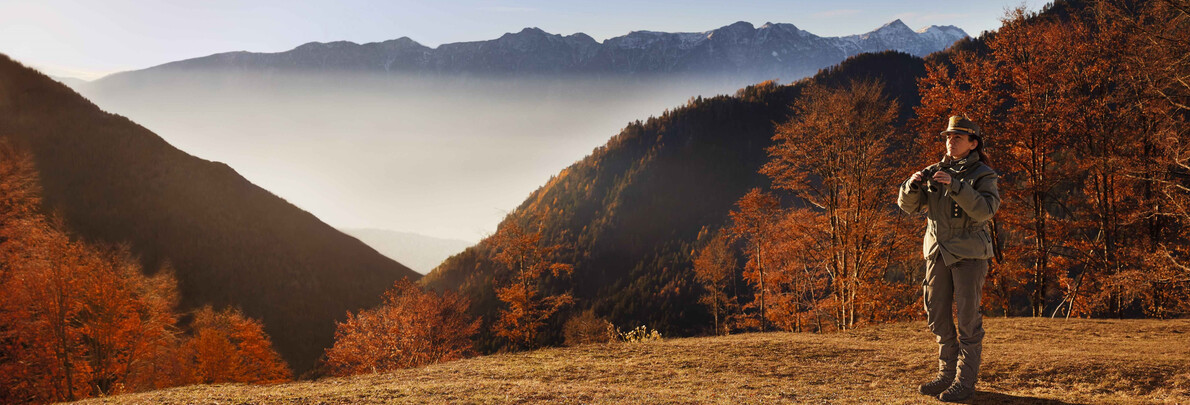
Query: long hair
point(983, 154)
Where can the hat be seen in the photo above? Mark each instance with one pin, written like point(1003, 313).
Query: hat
point(960, 124)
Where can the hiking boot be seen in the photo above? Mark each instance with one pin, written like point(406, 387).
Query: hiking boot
point(956, 393)
point(933, 388)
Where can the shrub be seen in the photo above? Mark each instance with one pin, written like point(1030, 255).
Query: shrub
point(640, 334)
point(585, 327)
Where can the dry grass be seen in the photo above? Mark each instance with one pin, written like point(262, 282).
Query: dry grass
point(1025, 361)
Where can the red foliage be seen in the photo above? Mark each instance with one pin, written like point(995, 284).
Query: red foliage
point(227, 346)
point(75, 320)
point(412, 328)
point(528, 263)
point(838, 155)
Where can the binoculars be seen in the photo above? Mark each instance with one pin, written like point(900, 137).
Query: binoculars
point(927, 176)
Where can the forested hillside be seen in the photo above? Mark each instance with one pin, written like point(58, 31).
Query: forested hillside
point(630, 214)
point(230, 242)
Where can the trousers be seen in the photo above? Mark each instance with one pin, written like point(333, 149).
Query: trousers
point(960, 340)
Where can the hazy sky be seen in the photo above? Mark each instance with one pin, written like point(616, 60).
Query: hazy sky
point(90, 38)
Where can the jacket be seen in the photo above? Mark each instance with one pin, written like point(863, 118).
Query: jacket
point(957, 215)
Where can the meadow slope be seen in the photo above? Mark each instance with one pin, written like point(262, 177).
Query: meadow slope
point(1049, 361)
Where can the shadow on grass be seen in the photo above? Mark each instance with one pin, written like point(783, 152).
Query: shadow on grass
point(985, 397)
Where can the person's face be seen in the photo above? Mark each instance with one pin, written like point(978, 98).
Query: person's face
point(959, 145)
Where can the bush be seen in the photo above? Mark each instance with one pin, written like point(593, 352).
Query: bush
point(640, 334)
point(585, 327)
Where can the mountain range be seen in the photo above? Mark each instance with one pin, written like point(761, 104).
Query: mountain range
point(737, 50)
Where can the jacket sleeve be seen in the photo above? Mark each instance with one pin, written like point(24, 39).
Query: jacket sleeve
point(980, 199)
point(910, 197)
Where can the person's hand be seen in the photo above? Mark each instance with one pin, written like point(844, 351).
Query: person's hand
point(942, 177)
point(915, 178)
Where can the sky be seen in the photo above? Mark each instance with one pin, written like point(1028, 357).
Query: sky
point(88, 39)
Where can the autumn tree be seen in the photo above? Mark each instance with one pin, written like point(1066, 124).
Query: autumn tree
point(227, 346)
point(411, 328)
point(715, 269)
point(1144, 45)
point(800, 285)
point(527, 262)
point(755, 221)
point(838, 155)
point(76, 320)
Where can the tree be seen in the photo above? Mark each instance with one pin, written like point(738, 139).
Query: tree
point(76, 320)
point(527, 263)
point(839, 156)
point(714, 268)
point(799, 257)
point(756, 221)
point(411, 328)
point(1146, 46)
point(227, 346)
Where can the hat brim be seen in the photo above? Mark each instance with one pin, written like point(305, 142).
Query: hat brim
point(958, 131)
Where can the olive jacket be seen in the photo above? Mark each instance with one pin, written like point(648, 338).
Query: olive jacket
point(957, 214)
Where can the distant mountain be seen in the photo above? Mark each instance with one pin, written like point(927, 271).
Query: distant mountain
point(631, 212)
point(73, 82)
point(420, 252)
point(738, 50)
point(230, 242)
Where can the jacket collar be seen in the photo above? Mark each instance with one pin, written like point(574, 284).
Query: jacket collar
point(960, 165)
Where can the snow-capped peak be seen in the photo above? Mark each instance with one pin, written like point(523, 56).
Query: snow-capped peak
point(896, 26)
point(942, 33)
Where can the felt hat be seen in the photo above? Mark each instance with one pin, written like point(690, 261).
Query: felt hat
point(960, 124)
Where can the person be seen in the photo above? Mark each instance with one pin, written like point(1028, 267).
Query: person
point(959, 195)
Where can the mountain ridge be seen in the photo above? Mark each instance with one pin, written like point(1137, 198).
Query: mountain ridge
point(739, 48)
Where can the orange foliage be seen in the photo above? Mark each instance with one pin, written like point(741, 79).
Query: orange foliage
point(75, 320)
point(1144, 47)
point(756, 222)
point(1084, 112)
point(227, 346)
point(528, 262)
point(838, 155)
point(411, 328)
point(1021, 95)
point(714, 268)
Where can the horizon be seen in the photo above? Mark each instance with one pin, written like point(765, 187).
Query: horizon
point(600, 41)
point(63, 38)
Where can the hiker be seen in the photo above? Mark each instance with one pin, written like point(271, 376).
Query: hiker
point(959, 195)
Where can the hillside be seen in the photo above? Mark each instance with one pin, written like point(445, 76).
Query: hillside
point(633, 209)
point(1026, 360)
point(229, 242)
